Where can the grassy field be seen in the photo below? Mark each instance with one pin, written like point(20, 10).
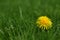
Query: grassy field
point(18, 19)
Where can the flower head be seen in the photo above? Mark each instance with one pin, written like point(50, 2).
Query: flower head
point(44, 22)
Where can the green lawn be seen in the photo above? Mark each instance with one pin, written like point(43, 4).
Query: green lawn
point(18, 19)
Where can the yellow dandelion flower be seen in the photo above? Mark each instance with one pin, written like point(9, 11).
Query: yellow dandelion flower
point(44, 22)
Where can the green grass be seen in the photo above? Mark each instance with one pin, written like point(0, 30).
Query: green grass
point(18, 19)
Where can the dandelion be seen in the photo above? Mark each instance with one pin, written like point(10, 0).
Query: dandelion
point(44, 22)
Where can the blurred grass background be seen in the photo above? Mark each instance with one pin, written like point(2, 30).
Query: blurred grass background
point(18, 19)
